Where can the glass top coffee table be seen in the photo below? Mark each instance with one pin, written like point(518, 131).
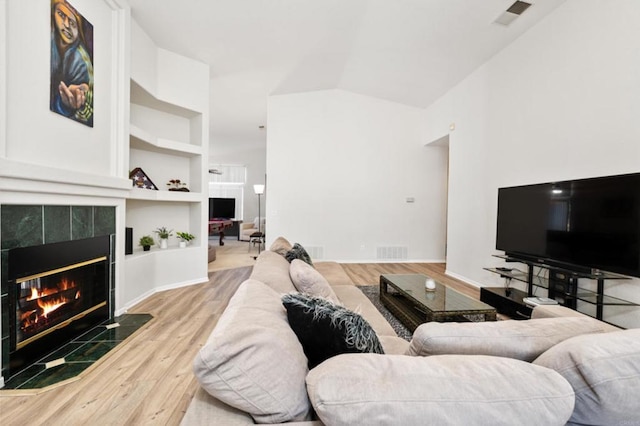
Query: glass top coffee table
point(409, 301)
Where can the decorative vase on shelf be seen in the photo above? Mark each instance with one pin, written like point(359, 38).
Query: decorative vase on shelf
point(185, 238)
point(163, 234)
point(146, 248)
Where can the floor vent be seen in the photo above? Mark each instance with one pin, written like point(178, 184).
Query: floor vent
point(392, 253)
point(315, 252)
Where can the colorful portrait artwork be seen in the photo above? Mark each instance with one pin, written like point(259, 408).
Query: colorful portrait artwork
point(71, 63)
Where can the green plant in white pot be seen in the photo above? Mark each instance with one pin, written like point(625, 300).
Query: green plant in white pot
point(163, 234)
point(185, 238)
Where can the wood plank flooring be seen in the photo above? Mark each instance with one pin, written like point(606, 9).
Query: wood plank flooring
point(369, 273)
point(148, 380)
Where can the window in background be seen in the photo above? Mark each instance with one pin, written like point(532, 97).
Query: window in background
point(228, 181)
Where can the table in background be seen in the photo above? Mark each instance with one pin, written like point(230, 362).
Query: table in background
point(407, 298)
point(217, 226)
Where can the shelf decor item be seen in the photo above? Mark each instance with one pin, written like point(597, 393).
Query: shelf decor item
point(177, 185)
point(164, 235)
point(146, 242)
point(141, 180)
point(185, 237)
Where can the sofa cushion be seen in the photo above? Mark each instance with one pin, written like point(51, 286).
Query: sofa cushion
point(352, 298)
point(523, 340)
point(273, 270)
point(307, 280)
point(242, 362)
point(371, 389)
point(325, 329)
point(393, 345)
point(333, 272)
point(281, 246)
point(298, 252)
point(604, 371)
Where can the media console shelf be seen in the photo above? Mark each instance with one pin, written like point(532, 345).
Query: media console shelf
point(561, 284)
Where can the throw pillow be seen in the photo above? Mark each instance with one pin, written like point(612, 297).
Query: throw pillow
point(604, 371)
point(326, 330)
point(307, 280)
point(369, 389)
point(242, 362)
point(281, 246)
point(298, 252)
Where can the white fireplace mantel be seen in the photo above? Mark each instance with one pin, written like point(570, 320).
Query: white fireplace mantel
point(18, 177)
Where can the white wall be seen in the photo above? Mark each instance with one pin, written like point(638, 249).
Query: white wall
point(339, 169)
point(561, 102)
point(34, 133)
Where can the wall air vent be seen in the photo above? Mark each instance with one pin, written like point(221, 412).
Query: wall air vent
point(392, 253)
point(315, 252)
point(515, 10)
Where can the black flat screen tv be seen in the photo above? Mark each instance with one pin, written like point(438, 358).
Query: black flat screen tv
point(224, 208)
point(580, 225)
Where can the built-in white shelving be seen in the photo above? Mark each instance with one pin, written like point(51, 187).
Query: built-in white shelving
point(168, 139)
point(140, 139)
point(165, 196)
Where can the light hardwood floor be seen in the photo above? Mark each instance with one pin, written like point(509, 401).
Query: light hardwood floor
point(147, 379)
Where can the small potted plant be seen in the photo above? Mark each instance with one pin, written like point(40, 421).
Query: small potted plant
point(146, 242)
point(185, 237)
point(163, 234)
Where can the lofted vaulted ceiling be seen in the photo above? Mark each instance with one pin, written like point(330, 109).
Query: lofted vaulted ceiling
point(406, 51)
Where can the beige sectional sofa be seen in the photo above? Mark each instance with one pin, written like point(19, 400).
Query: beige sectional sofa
point(253, 368)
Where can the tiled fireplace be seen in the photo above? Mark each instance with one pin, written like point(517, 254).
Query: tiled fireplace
point(58, 269)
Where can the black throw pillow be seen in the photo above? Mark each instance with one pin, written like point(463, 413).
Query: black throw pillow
point(298, 252)
point(325, 329)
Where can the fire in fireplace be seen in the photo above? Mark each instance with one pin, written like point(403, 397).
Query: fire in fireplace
point(56, 292)
point(56, 298)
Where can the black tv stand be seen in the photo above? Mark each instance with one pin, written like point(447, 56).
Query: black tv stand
point(507, 301)
point(561, 284)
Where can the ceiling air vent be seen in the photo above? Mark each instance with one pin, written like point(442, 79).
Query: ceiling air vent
point(515, 10)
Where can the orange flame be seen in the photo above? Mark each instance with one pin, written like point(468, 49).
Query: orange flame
point(51, 305)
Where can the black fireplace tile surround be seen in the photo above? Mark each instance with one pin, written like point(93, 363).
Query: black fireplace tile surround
point(32, 225)
point(79, 354)
point(27, 225)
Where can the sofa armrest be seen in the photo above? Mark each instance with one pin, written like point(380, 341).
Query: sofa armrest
point(375, 389)
point(523, 340)
point(557, 311)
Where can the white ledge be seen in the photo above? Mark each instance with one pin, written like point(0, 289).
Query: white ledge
point(25, 177)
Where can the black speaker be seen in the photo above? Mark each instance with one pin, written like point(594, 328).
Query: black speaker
point(563, 287)
point(128, 240)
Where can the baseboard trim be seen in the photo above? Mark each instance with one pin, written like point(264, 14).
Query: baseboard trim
point(463, 279)
point(151, 292)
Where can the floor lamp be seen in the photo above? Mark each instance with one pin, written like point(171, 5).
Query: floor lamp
point(259, 190)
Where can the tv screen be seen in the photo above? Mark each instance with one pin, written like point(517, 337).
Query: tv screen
point(581, 224)
point(222, 208)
